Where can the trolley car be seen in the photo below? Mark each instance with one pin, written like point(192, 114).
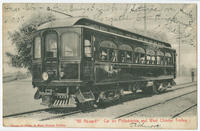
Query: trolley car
point(80, 61)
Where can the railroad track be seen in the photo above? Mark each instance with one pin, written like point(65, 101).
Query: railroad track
point(159, 103)
point(183, 111)
point(76, 111)
point(186, 85)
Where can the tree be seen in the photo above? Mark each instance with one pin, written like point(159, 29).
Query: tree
point(22, 39)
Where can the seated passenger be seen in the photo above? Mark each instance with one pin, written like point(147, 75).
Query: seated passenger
point(158, 60)
point(114, 56)
point(136, 58)
point(142, 60)
point(161, 61)
point(169, 61)
point(148, 60)
point(128, 57)
point(153, 60)
point(122, 57)
point(103, 55)
point(166, 62)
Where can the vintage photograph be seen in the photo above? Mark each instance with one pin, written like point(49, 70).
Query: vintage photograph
point(100, 65)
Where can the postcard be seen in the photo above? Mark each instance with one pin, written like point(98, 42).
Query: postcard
point(100, 65)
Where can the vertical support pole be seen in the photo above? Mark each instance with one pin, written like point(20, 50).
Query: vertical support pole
point(179, 52)
point(145, 17)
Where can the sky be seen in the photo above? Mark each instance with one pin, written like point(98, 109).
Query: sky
point(166, 22)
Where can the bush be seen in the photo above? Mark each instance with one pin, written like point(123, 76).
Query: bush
point(22, 40)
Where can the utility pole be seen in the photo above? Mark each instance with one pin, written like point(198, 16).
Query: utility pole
point(179, 51)
point(145, 17)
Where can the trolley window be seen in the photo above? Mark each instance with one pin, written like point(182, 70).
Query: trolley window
point(125, 53)
point(87, 48)
point(160, 58)
point(37, 47)
point(113, 55)
point(168, 57)
point(69, 44)
point(103, 54)
point(150, 54)
point(139, 55)
point(108, 51)
point(51, 45)
point(108, 44)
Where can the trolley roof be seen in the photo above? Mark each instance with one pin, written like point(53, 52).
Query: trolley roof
point(98, 25)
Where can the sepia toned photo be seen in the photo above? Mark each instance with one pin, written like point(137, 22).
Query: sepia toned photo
point(100, 65)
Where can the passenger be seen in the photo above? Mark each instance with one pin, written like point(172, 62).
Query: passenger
point(153, 60)
point(128, 57)
point(142, 60)
point(169, 61)
point(137, 58)
point(158, 60)
point(103, 55)
point(114, 56)
point(150, 61)
point(53, 48)
point(166, 61)
point(192, 74)
point(161, 61)
point(122, 57)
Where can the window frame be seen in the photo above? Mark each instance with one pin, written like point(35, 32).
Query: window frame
point(131, 59)
point(124, 49)
point(88, 46)
point(168, 58)
point(107, 50)
point(45, 46)
point(120, 52)
point(78, 46)
point(139, 54)
point(100, 53)
point(161, 58)
point(150, 53)
point(157, 60)
point(110, 55)
point(38, 36)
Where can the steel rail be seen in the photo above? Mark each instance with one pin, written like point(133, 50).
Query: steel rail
point(138, 110)
point(79, 111)
point(67, 114)
point(184, 111)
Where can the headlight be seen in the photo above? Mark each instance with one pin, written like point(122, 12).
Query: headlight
point(45, 76)
point(62, 74)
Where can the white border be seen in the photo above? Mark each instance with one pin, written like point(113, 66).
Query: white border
point(86, 1)
point(100, 1)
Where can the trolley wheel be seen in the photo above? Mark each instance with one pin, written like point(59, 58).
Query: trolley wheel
point(155, 88)
point(132, 88)
point(37, 95)
point(148, 90)
point(87, 105)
